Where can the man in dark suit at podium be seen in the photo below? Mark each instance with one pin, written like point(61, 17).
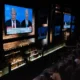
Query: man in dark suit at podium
point(13, 23)
point(26, 22)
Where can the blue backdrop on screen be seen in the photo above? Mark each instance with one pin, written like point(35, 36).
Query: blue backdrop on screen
point(20, 13)
point(42, 32)
point(57, 30)
point(73, 19)
point(72, 28)
point(67, 18)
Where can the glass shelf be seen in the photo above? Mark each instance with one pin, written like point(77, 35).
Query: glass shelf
point(33, 59)
point(16, 62)
point(53, 49)
point(16, 67)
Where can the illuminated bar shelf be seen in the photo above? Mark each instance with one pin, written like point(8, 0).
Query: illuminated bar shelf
point(18, 66)
point(54, 49)
point(33, 59)
point(12, 53)
point(16, 62)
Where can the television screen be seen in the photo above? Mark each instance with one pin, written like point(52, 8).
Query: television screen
point(57, 30)
point(73, 19)
point(67, 20)
point(72, 28)
point(42, 32)
point(18, 19)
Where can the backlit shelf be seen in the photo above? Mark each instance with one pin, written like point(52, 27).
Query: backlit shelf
point(54, 49)
point(12, 53)
point(34, 54)
point(18, 66)
point(33, 59)
point(16, 62)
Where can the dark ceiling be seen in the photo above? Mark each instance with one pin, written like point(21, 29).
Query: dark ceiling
point(39, 4)
point(34, 3)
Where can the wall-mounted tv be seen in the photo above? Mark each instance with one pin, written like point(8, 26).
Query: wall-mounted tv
point(67, 20)
point(73, 19)
point(72, 28)
point(18, 19)
point(42, 32)
point(57, 30)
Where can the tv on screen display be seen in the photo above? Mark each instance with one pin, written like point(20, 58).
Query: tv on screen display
point(57, 30)
point(42, 32)
point(73, 19)
point(67, 20)
point(72, 28)
point(18, 19)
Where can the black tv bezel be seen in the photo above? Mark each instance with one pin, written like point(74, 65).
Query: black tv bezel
point(4, 26)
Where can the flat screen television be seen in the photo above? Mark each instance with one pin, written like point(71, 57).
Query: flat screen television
point(67, 20)
point(73, 19)
point(57, 30)
point(72, 28)
point(17, 19)
point(42, 32)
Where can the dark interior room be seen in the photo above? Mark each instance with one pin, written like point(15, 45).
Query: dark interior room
point(39, 41)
